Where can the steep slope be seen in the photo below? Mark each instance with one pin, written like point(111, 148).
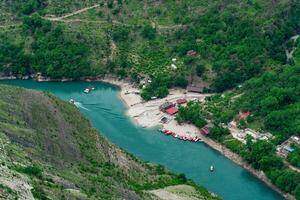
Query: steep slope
point(50, 151)
point(222, 43)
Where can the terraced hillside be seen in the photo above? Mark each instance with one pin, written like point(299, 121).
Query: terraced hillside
point(217, 43)
point(50, 151)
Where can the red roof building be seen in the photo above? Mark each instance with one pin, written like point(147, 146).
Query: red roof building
point(181, 101)
point(191, 53)
point(166, 105)
point(243, 115)
point(204, 130)
point(171, 110)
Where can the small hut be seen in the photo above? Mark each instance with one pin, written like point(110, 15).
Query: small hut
point(181, 101)
point(204, 130)
point(165, 106)
point(172, 110)
point(196, 89)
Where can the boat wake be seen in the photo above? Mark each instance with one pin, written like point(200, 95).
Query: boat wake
point(79, 105)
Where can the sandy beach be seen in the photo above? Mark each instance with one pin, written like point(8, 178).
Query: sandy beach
point(147, 114)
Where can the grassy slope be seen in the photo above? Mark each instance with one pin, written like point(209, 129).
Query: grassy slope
point(49, 150)
point(181, 26)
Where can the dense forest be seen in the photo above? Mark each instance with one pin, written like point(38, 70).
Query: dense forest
point(274, 96)
point(231, 41)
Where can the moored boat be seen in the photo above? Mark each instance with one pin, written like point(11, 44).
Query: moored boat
point(89, 89)
point(185, 138)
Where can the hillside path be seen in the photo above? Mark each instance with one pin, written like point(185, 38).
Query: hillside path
point(63, 19)
point(71, 14)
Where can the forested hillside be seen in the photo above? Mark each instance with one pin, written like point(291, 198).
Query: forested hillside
point(272, 101)
point(220, 42)
point(248, 49)
point(274, 97)
point(50, 151)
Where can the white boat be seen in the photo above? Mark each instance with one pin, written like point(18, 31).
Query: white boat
point(89, 89)
point(72, 101)
point(211, 168)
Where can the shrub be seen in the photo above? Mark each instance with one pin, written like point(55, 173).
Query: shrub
point(39, 193)
point(148, 32)
point(31, 170)
point(180, 81)
point(200, 69)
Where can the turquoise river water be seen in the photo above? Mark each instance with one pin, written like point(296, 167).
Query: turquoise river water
point(107, 113)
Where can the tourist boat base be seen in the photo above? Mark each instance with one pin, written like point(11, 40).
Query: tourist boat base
point(185, 138)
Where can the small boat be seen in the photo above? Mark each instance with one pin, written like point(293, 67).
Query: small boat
point(89, 89)
point(72, 101)
point(168, 132)
point(211, 168)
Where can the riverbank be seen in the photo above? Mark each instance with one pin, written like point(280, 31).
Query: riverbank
point(129, 94)
point(229, 180)
point(147, 114)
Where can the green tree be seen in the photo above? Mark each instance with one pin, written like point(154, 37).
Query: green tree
point(120, 33)
point(180, 81)
point(294, 157)
point(288, 180)
point(200, 69)
point(297, 192)
point(218, 132)
point(148, 32)
point(270, 162)
point(269, 104)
